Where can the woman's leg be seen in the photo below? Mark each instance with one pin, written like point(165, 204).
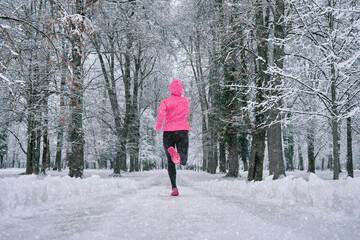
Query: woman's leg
point(172, 173)
point(182, 146)
point(168, 141)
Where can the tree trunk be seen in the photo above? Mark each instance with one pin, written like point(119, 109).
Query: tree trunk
point(204, 107)
point(46, 141)
point(128, 103)
point(134, 135)
point(33, 116)
point(45, 107)
point(301, 160)
point(311, 151)
point(76, 134)
point(233, 154)
point(276, 161)
point(30, 133)
point(109, 77)
point(4, 92)
point(258, 133)
point(230, 103)
point(336, 159)
point(243, 149)
point(62, 117)
point(59, 144)
point(213, 155)
point(349, 163)
point(275, 146)
point(330, 162)
point(3, 142)
point(334, 104)
point(37, 147)
point(33, 120)
point(335, 127)
point(222, 156)
point(214, 90)
point(245, 123)
point(46, 152)
point(289, 153)
point(197, 68)
point(257, 156)
point(30, 144)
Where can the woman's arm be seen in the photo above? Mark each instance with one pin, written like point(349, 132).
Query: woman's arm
point(161, 115)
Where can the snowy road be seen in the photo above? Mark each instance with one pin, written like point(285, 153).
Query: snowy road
point(144, 210)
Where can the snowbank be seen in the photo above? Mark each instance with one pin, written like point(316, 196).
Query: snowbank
point(322, 194)
point(22, 195)
point(25, 193)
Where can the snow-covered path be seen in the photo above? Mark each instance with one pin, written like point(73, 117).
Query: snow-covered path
point(209, 207)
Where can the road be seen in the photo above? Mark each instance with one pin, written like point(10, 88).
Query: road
point(147, 211)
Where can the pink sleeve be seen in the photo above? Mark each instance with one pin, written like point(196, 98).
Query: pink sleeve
point(161, 115)
point(187, 107)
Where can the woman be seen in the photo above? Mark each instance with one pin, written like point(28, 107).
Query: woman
point(175, 110)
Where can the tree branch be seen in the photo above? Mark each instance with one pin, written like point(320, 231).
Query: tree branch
point(17, 140)
point(32, 26)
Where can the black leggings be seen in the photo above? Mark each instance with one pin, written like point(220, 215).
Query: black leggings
point(180, 140)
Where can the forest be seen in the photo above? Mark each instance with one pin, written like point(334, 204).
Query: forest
point(273, 85)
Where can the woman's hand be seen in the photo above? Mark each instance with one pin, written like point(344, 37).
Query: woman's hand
point(158, 127)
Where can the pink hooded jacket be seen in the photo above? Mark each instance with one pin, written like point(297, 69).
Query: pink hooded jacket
point(174, 109)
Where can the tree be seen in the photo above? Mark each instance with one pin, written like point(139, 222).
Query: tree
point(262, 80)
point(289, 145)
point(126, 49)
point(311, 150)
point(3, 123)
point(330, 55)
point(214, 93)
point(192, 40)
point(76, 134)
point(349, 158)
point(301, 160)
point(235, 75)
point(3, 147)
point(243, 145)
point(34, 74)
point(110, 84)
point(274, 132)
point(63, 108)
point(255, 72)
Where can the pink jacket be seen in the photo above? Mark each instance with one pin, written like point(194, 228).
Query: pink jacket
point(174, 109)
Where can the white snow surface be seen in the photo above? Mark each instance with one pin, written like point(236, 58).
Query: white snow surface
point(139, 206)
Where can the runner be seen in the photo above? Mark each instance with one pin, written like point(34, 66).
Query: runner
point(175, 110)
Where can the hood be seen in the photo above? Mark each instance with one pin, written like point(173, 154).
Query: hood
point(176, 88)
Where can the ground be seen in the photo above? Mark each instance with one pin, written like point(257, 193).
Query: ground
point(139, 206)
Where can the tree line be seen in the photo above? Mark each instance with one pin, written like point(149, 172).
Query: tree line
point(86, 77)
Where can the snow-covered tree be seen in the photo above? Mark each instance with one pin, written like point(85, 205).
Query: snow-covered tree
point(325, 41)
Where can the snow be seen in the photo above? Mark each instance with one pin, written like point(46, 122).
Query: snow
point(5, 26)
point(349, 62)
point(2, 76)
point(14, 53)
point(138, 206)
